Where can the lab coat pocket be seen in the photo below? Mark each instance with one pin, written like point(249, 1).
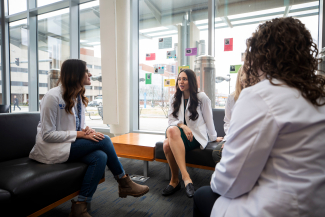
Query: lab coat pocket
point(262, 201)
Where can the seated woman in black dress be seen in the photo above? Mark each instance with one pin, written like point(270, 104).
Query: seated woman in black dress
point(190, 126)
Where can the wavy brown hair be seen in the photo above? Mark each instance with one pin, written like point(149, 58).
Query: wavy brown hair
point(284, 49)
point(193, 88)
point(71, 78)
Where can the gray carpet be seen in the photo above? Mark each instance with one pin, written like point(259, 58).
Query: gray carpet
point(107, 203)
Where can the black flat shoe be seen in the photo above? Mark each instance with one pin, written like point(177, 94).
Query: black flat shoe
point(169, 190)
point(189, 190)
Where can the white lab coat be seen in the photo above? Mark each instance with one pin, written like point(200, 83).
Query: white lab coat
point(273, 163)
point(228, 111)
point(203, 127)
point(56, 129)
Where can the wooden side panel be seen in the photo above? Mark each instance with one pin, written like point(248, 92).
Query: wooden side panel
point(135, 152)
point(189, 165)
point(57, 203)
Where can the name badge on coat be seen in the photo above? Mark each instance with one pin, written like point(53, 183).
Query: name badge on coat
point(62, 106)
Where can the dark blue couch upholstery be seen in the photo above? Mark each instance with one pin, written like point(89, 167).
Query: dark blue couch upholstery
point(198, 156)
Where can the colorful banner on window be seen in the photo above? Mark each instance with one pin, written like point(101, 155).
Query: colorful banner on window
point(191, 51)
point(171, 54)
point(182, 67)
point(165, 43)
point(159, 70)
point(169, 82)
point(148, 78)
point(234, 68)
point(150, 56)
point(228, 44)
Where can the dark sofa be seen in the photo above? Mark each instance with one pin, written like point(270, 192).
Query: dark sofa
point(198, 158)
point(27, 186)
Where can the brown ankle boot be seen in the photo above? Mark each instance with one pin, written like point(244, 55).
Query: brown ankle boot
point(79, 209)
point(128, 187)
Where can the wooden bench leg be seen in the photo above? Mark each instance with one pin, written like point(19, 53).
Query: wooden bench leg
point(168, 173)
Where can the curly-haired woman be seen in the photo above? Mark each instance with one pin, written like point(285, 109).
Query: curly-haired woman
point(273, 162)
point(190, 126)
point(63, 136)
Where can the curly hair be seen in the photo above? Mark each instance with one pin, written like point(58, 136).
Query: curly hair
point(193, 87)
point(72, 75)
point(284, 49)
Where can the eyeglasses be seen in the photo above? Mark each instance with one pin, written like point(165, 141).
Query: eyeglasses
point(87, 71)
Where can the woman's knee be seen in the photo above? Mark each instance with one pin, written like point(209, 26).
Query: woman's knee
point(173, 132)
point(166, 147)
point(101, 157)
point(106, 141)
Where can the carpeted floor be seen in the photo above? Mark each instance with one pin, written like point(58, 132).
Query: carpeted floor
point(107, 203)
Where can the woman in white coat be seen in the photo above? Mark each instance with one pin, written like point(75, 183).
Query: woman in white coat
point(190, 126)
point(231, 100)
point(63, 136)
point(273, 162)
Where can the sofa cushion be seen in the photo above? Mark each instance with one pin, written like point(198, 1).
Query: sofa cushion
point(195, 156)
point(18, 134)
point(4, 196)
point(35, 185)
point(218, 116)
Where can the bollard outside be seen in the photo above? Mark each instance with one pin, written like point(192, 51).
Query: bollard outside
point(52, 78)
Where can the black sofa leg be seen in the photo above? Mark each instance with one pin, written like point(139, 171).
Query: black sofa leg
point(168, 173)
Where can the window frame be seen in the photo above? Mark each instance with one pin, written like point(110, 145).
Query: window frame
point(31, 15)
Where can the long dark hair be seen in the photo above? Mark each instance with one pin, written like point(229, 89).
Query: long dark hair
point(72, 77)
point(193, 87)
point(284, 49)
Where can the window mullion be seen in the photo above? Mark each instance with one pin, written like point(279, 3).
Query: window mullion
point(32, 57)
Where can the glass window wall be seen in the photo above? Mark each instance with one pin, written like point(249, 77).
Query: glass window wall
point(19, 65)
point(53, 47)
point(90, 51)
point(236, 21)
point(171, 36)
point(16, 6)
point(41, 3)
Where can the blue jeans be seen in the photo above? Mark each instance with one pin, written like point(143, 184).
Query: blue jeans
point(96, 155)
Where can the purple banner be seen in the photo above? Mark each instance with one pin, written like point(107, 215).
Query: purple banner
point(191, 51)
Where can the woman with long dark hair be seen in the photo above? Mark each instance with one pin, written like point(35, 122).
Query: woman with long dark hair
point(62, 136)
point(273, 162)
point(190, 126)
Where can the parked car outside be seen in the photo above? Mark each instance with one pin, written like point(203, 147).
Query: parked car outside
point(98, 101)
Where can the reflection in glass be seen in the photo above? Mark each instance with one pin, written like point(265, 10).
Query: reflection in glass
point(46, 2)
point(16, 6)
point(53, 47)
point(238, 25)
point(90, 51)
point(163, 42)
point(19, 65)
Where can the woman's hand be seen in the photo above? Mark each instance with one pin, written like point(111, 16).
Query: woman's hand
point(94, 136)
point(88, 130)
point(188, 132)
point(219, 139)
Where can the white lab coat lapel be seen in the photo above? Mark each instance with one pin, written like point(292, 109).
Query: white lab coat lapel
point(186, 109)
point(181, 110)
